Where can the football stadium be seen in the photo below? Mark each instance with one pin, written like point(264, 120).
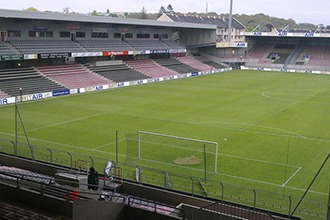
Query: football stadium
point(184, 117)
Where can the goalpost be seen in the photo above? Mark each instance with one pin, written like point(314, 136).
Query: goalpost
point(178, 143)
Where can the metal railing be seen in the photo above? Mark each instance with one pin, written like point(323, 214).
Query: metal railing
point(255, 198)
point(156, 207)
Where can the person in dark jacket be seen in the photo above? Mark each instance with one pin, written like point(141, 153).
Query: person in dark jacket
point(93, 179)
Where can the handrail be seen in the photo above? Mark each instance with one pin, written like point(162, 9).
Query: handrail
point(53, 189)
point(155, 207)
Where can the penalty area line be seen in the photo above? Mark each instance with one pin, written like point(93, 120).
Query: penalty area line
point(286, 182)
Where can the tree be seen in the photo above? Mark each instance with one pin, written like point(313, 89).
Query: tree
point(214, 14)
point(94, 13)
point(30, 9)
point(144, 14)
point(192, 13)
point(66, 10)
point(113, 15)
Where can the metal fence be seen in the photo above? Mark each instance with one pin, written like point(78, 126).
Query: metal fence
point(195, 186)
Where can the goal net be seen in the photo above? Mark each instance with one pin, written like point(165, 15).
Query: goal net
point(169, 150)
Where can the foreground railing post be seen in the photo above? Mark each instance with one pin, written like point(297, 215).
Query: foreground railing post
point(50, 155)
point(254, 198)
point(70, 155)
point(290, 203)
point(14, 147)
point(192, 186)
point(164, 173)
point(32, 151)
point(221, 186)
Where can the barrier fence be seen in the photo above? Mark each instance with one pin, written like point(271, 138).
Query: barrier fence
point(255, 198)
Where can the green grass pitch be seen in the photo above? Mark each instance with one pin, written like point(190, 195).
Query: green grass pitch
point(272, 127)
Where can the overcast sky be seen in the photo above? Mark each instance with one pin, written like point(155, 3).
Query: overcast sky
point(311, 11)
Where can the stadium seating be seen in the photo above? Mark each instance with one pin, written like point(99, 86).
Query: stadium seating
point(14, 210)
point(104, 45)
point(148, 44)
point(176, 65)
point(318, 55)
point(269, 53)
point(6, 50)
point(150, 68)
point(96, 45)
point(27, 78)
point(260, 51)
point(281, 52)
point(27, 46)
point(209, 62)
point(25, 175)
point(73, 76)
point(303, 59)
point(3, 94)
point(117, 72)
point(173, 45)
point(190, 61)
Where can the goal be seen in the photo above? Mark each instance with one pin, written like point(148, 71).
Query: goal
point(182, 151)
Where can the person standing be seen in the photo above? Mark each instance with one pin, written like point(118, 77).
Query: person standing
point(93, 179)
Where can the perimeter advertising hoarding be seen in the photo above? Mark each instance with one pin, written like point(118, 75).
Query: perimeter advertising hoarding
point(6, 101)
point(61, 92)
point(36, 96)
point(114, 53)
point(18, 57)
point(87, 54)
point(11, 57)
point(53, 55)
point(286, 34)
point(93, 88)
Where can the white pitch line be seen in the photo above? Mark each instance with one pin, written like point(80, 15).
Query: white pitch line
point(243, 178)
point(262, 132)
point(67, 145)
point(104, 145)
point(219, 174)
point(9, 134)
point(283, 185)
point(291, 100)
point(68, 121)
point(226, 155)
point(256, 125)
point(261, 161)
point(263, 126)
point(311, 191)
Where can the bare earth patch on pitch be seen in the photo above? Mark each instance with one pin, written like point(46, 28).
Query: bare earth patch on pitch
point(187, 160)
